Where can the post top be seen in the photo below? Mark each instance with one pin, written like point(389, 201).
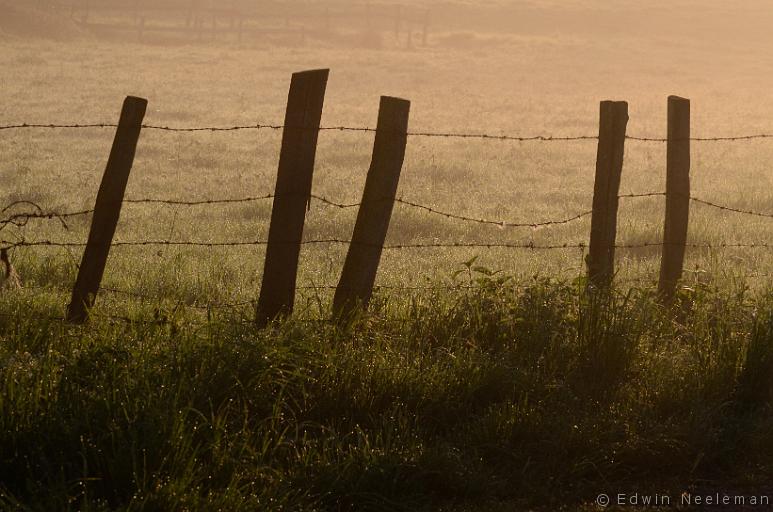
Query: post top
point(312, 72)
point(393, 99)
point(136, 99)
point(614, 103)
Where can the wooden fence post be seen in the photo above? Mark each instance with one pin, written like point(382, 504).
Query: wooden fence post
point(356, 284)
point(107, 209)
point(609, 168)
point(86, 12)
point(425, 28)
point(194, 14)
point(141, 28)
point(398, 20)
point(677, 197)
point(292, 194)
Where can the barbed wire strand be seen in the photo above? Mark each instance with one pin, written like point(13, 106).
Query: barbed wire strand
point(398, 246)
point(425, 134)
point(730, 208)
point(21, 218)
point(252, 302)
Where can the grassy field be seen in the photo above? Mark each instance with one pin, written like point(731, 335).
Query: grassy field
point(487, 400)
point(520, 393)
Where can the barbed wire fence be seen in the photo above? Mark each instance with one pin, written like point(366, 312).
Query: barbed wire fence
point(20, 219)
point(608, 142)
point(365, 129)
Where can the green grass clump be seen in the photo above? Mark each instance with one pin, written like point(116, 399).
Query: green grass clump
point(540, 395)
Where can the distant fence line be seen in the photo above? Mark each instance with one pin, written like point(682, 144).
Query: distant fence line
point(237, 19)
point(293, 195)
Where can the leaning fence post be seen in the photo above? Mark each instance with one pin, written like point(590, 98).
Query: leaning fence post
point(677, 197)
point(107, 209)
point(292, 194)
point(609, 168)
point(356, 284)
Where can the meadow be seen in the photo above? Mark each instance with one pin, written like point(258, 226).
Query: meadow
point(482, 379)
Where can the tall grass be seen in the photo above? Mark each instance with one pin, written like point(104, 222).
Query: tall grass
point(537, 395)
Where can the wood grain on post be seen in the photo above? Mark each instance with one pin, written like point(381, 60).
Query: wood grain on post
point(292, 194)
point(677, 197)
point(359, 274)
point(609, 168)
point(107, 209)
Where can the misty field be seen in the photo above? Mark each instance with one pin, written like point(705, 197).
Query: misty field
point(476, 91)
point(482, 379)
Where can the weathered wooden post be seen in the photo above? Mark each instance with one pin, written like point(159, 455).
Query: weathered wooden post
point(425, 28)
point(194, 14)
point(609, 168)
point(107, 209)
point(398, 20)
point(359, 274)
point(292, 194)
point(677, 197)
point(86, 11)
point(141, 28)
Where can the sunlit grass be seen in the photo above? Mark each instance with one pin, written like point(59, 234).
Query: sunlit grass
point(538, 395)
